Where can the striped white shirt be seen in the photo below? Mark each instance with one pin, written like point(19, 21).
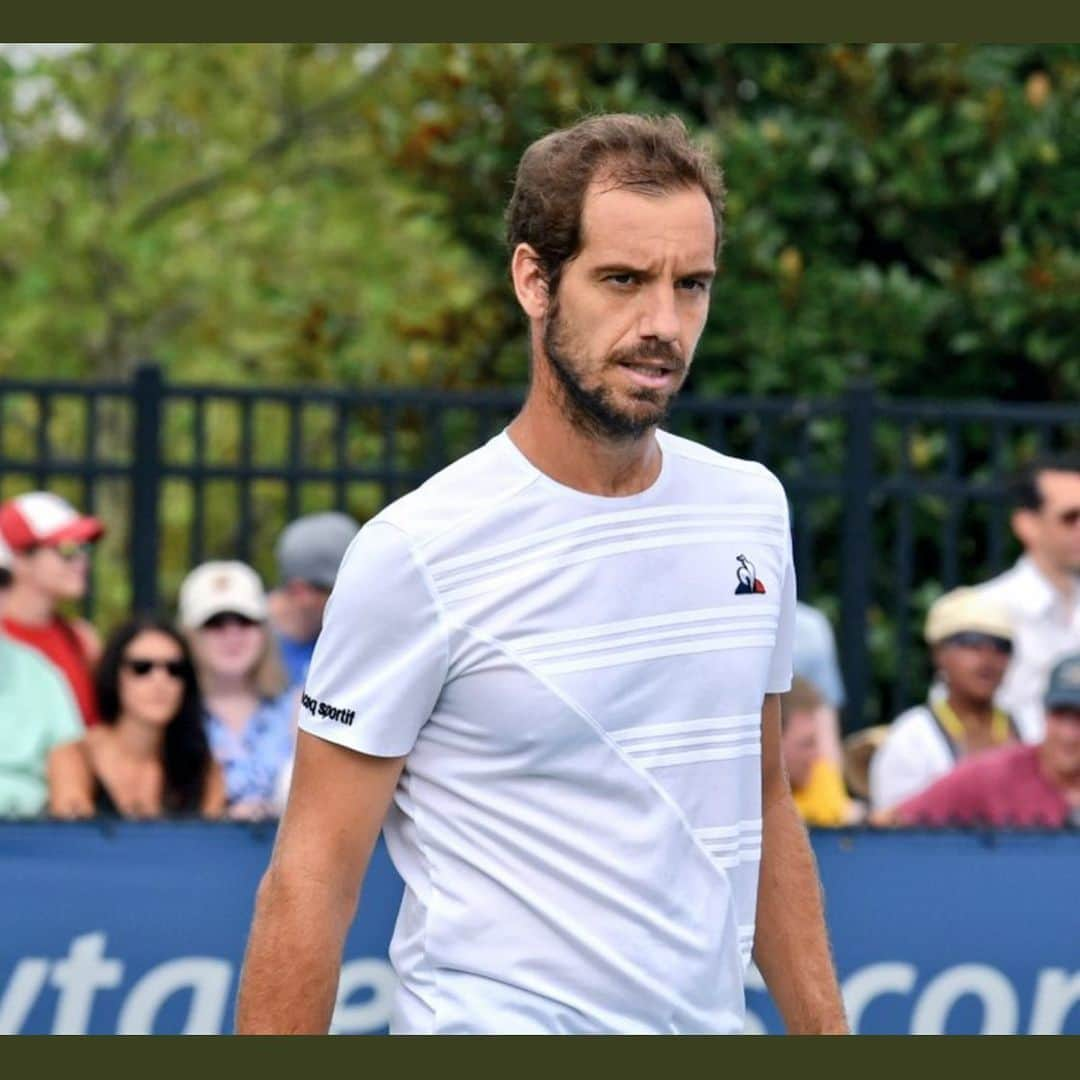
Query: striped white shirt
point(577, 683)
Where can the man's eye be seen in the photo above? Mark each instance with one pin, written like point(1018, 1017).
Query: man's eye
point(621, 279)
point(694, 284)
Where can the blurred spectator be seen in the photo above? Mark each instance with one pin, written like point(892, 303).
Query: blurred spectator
point(814, 659)
point(308, 553)
point(50, 562)
point(42, 761)
point(971, 641)
point(816, 784)
point(249, 713)
point(150, 755)
point(859, 750)
point(1019, 785)
point(814, 654)
point(1041, 592)
point(5, 572)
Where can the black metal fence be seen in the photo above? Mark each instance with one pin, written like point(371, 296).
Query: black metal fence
point(892, 501)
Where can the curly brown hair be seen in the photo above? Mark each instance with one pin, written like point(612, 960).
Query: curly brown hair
point(650, 154)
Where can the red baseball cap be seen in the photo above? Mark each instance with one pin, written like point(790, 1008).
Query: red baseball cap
point(40, 517)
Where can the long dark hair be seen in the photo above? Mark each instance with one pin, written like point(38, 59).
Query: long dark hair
point(187, 756)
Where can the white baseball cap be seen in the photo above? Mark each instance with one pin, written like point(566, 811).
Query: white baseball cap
point(966, 610)
point(40, 517)
point(215, 588)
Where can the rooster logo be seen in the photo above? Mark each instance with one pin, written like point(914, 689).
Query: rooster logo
point(747, 577)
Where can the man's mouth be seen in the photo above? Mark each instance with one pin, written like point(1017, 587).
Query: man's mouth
point(654, 374)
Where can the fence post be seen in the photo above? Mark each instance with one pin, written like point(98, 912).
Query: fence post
point(145, 487)
point(857, 550)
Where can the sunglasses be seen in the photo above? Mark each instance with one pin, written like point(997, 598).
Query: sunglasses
point(66, 549)
point(227, 618)
point(140, 667)
point(973, 640)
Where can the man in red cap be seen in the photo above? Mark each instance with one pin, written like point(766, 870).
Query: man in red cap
point(50, 561)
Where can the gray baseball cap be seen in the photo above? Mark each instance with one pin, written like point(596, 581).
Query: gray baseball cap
point(1064, 689)
point(311, 547)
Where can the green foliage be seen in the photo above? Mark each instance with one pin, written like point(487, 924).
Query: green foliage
point(333, 212)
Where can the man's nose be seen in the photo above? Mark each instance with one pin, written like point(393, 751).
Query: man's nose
point(660, 318)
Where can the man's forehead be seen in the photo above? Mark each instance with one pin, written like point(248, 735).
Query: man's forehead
point(1059, 484)
point(618, 222)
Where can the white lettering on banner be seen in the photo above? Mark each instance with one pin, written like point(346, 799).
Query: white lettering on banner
point(368, 974)
point(1055, 994)
point(366, 988)
point(867, 983)
point(79, 978)
point(21, 993)
point(1001, 1011)
point(207, 977)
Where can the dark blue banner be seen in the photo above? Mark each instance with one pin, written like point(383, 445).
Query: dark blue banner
point(139, 928)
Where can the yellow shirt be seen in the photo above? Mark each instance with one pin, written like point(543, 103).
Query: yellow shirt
point(823, 800)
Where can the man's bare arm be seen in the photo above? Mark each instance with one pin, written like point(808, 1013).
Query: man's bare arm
point(71, 783)
point(308, 895)
point(791, 947)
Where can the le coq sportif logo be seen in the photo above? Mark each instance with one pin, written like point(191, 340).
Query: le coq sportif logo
point(746, 576)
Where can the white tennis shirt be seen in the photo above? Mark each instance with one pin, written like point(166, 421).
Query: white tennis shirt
point(577, 682)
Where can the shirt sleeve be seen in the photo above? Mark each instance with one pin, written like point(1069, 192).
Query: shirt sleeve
point(780, 665)
point(60, 715)
point(381, 658)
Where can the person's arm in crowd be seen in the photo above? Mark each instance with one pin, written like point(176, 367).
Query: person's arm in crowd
point(213, 800)
point(70, 781)
point(308, 896)
point(68, 775)
point(791, 946)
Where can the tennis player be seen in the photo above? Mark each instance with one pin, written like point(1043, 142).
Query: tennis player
point(550, 674)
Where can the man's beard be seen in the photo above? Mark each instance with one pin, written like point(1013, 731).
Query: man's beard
point(594, 411)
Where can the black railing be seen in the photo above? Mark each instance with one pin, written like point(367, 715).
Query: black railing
point(892, 501)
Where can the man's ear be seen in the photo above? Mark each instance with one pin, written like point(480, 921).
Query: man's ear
point(1025, 526)
point(530, 283)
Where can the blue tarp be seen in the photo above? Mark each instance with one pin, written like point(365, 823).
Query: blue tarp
point(140, 927)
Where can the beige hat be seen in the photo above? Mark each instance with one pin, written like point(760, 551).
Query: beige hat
point(966, 610)
point(218, 587)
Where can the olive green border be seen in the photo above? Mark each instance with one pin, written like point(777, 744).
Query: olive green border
point(776, 20)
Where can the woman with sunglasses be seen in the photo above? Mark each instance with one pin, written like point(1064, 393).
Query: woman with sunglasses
point(150, 756)
point(250, 715)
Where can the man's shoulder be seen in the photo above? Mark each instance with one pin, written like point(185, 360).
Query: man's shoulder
point(474, 484)
point(741, 475)
point(28, 669)
point(1005, 585)
point(1001, 762)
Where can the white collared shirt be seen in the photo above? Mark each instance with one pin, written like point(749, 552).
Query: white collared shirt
point(1046, 628)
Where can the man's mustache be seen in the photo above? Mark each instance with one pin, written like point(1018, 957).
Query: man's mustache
point(655, 352)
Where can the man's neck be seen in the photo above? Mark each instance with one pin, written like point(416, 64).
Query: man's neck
point(29, 606)
point(975, 716)
point(544, 433)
